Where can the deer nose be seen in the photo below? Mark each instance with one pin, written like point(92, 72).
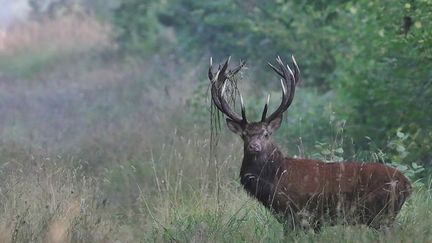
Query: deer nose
point(255, 147)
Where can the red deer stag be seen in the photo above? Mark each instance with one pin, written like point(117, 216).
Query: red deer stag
point(305, 193)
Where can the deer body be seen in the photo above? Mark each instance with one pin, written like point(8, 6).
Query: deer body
point(310, 192)
point(305, 193)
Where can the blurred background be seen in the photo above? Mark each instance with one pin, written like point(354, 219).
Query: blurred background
point(105, 130)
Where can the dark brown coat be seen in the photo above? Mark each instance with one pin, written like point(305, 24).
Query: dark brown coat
point(307, 193)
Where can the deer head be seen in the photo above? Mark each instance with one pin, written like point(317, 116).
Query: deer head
point(256, 135)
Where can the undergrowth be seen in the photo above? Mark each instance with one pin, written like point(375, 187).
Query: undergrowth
point(169, 196)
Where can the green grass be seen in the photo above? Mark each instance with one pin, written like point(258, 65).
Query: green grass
point(27, 64)
point(199, 213)
point(240, 219)
point(168, 196)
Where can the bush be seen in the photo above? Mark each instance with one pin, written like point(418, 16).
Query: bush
point(383, 73)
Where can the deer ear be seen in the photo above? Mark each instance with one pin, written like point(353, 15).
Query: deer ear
point(234, 127)
point(274, 124)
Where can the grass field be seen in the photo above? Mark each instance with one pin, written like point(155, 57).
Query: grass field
point(100, 148)
point(173, 195)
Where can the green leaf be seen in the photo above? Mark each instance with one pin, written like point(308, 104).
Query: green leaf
point(339, 150)
point(326, 152)
point(400, 148)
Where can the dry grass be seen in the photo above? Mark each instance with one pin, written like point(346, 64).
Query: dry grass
point(179, 196)
point(58, 228)
point(63, 33)
point(44, 201)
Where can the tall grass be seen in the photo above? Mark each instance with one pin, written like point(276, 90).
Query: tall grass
point(63, 33)
point(97, 148)
point(27, 48)
point(174, 194)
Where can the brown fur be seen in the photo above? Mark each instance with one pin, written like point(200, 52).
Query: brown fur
point(305, 193)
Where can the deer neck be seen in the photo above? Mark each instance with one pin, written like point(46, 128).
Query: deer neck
point(259, 172)
point(269, 157)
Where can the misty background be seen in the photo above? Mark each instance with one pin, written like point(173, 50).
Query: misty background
point(105, 125)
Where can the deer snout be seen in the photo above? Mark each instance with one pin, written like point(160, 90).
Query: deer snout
point(255, 147)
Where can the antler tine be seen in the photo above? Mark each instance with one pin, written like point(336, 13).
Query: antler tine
point(292, 90)
point(210, 72)
point(235, 70)
point(264, 114)
point(284, 92)
point(275, 69)
point(224, 68)
point(218, 88)
point(296, 69)
point(243, 110)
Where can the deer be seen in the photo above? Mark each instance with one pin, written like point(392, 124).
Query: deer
point(304, 193)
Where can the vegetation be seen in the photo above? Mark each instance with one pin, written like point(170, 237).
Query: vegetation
point(105, 130)
point(381, 66)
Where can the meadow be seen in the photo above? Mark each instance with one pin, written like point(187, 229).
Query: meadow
point(96, 146)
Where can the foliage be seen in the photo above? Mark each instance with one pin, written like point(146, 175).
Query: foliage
point(41, 9)
point(374, 57)
point(245, 29)
point(384, 73)
point(137, 28)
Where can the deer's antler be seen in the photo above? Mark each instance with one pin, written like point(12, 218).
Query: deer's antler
point(288, 82)
point(218, 87)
